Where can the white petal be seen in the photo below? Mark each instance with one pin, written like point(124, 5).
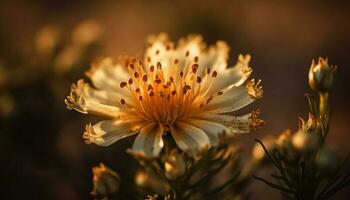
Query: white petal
point(86, 100)
point(107, 76)
point(235, 98)
point(231, 77)
point(149, 142)
point(215, 58)
point(237, 124)
point(159, 52)
point(107, 132)
point(212, 129)
point(190, 139)
point(163, 51)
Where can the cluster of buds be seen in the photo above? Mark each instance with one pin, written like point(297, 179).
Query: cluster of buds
point(176, 175)
point(301, 158)
point(175, 165)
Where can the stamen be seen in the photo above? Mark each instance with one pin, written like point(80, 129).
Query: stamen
point(196, 59)
point(122, 101)
point(151, 69)
point(199, 79)
point(194, 68)
point(145, 78)
point(136, 75)
point(130, 81)
point(187, 53)
point(181, 73)
point(209, 99)
point(176, 61)
point(186, 88)
point(158, 81)
point(214, 74)
point(140, 62)
point(122, 84)
point(159, 65)
point(207, 71)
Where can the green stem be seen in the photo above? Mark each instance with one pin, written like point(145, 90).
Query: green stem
point(324, 98)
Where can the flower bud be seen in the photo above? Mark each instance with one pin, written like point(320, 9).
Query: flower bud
point(305, 142)
point(321, 75)
point(312, 125)
point(150, 181)
point(175, 165)
point(106, 181)
point(285, 146)
point(327, 160)
point(283, 139)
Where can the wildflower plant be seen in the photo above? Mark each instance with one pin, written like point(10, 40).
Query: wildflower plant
point(177, 100)
point(305, 166)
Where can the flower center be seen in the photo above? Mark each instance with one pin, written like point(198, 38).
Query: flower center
point(167, 94)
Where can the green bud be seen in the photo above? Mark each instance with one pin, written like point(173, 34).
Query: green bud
point(321, 75)
point(327, 160)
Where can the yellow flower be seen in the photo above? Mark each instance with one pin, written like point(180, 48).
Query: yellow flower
point(185, 91)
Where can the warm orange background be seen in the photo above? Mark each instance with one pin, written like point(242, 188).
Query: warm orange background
point(45, 158)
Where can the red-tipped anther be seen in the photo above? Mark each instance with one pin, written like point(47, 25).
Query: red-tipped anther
point(122, 84)
point(199, 79)
point(145, 78)
point(214, 74)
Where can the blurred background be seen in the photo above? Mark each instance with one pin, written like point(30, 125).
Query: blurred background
point(47, 45)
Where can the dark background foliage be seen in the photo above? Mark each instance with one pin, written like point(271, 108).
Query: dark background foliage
point(42, 153)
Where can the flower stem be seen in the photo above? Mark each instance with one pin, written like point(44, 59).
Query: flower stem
point(324, 98)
